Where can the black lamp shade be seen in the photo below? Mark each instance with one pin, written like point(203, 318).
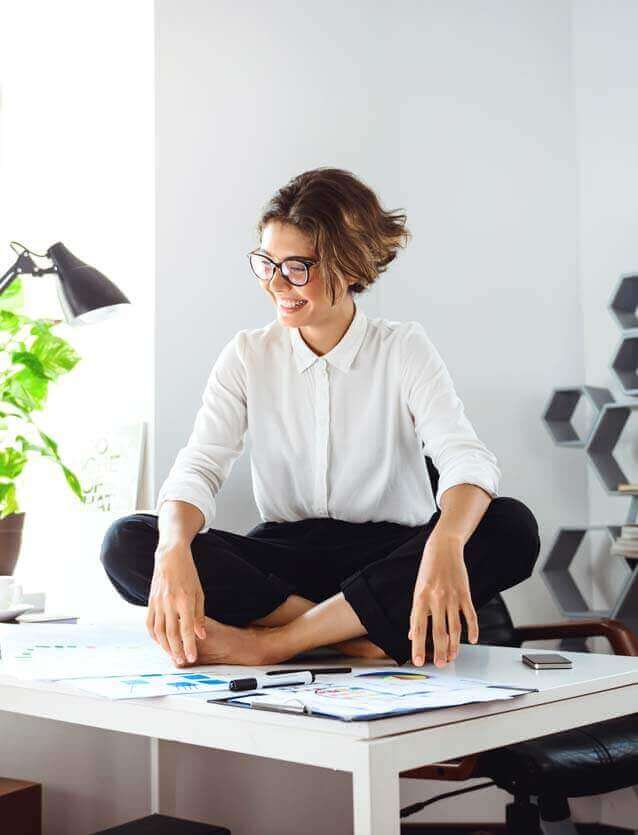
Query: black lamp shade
point(85, 294)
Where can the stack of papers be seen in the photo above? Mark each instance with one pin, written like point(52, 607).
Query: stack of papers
point(376, 693)
point(52, 652)
point(124, 663)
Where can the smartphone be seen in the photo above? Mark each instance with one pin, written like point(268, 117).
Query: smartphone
point(547, 661)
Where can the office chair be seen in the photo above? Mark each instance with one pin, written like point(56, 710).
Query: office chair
point(542, 774)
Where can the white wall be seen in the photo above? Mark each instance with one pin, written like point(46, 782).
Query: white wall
point(461, 113)
point(606, 99)
point(77, 165)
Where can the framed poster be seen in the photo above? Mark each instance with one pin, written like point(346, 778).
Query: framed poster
point(109, 467)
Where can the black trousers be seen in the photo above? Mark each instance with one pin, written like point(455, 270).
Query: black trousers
point(374, 564)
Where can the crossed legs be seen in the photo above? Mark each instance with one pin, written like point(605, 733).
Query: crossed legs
point(255, 617)
point(294, 606)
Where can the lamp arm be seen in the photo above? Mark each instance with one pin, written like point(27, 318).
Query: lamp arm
point(24, 264)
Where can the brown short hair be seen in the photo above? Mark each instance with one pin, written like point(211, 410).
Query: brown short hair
point(352, 234)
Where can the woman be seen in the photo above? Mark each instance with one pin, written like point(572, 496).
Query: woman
point(351, 551)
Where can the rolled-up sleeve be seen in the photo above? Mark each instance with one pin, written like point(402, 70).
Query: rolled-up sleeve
point(440, 422)
point(217, 439)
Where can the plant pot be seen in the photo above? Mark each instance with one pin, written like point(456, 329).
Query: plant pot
point(10, 540)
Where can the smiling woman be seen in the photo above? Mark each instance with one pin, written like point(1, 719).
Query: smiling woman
point(352, 551)
point(327, 237)
point(341, 218)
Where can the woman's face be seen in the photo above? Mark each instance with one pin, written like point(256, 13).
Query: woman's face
point(282, 240)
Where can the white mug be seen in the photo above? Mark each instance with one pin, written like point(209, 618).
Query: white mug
point(10, 592)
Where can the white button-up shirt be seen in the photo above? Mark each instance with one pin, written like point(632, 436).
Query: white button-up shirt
point(342, 436)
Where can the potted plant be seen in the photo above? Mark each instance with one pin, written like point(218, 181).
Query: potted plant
point(31, 357)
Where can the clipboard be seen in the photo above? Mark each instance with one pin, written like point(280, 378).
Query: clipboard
point(300, 709)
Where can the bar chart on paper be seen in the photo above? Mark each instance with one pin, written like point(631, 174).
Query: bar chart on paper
point(154, 684)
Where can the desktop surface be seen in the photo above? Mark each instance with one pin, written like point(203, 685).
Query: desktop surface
point(590, 673)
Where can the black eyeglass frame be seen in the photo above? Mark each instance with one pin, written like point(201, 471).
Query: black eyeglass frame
point(307, 262)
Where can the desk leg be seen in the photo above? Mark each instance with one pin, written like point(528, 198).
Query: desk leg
point(154, 758)
point(375, 788)
point(162, 798)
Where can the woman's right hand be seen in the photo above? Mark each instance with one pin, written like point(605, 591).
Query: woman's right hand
point(176, 603)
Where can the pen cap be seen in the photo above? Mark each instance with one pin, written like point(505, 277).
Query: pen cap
point(243, 684)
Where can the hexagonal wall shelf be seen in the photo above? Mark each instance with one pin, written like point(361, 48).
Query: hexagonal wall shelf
point(556, 574)
point(624, 302)
point(561, 407)
point(626, 608)
point(604, 437)
point(625, 362)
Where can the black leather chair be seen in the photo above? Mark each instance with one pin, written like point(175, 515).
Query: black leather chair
point(542, 774)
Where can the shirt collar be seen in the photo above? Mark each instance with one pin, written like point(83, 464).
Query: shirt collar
point(343, 353)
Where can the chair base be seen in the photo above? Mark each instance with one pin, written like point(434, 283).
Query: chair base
point(164, 825)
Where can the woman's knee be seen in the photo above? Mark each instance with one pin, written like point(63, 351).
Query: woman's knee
point(520, 530)
point(123, 538)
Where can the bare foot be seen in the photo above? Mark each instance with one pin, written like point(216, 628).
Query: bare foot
point(223, 644)
point(361, 648)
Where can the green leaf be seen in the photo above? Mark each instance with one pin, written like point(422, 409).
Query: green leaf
point(25, 390)
point(13, 297)
point(51, 451)
point(73, 482)
point(8, 400)
point(49, 443)
point(41, 327)
point(12, 462)
point(31, 361)
point(28, 446)
point(8, 503)
point(55, 354)
point(9, 321)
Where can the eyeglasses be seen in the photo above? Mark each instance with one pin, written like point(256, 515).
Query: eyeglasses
point(296, 271)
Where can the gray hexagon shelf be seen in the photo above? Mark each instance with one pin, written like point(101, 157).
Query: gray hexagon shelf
point(604, 437)
point(625, 362)
point(558, 578)
point(624, 302)
point(559, 413)
point(626, 608)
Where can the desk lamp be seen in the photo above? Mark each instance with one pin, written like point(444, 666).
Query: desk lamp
point(86, 296)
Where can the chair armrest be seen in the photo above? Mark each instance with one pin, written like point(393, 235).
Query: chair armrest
point(623, 641)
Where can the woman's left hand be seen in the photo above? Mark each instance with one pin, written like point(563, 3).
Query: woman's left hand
point(441, 593)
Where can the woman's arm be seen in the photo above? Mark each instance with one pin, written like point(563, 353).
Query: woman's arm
point(442, 588)
point(178, 522)
point(440, 421)
point(176, 600)
point(468, 478)
point(217, 438)
point(186, 504)
point(462, 508)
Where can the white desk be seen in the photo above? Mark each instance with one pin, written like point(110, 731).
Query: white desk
point(598, 687)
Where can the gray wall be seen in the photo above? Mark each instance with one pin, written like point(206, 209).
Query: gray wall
point(462, 114)
point(606, 101)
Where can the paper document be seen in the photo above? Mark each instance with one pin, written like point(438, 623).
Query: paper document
point(155, 684)
point(380, 693)
point(51, 652)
